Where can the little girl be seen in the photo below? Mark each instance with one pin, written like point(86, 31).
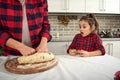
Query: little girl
point(87, 43)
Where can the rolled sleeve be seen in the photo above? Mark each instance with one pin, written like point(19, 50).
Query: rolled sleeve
point(46, 25)
point(47, 35)
point(99, 45)
point(4, 36)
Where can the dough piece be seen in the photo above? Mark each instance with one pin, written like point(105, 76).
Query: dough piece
point(36, 58)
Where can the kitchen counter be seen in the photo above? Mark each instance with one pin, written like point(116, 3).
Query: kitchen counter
point(68, 39)
point(111, 39)
point(70, 68)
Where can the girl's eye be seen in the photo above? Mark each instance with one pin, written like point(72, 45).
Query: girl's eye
point(79, 26)
point(84, 26)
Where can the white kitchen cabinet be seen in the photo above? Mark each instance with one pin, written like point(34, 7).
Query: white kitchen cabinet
point(102, 6)
point(94, 6)
point(76, 6)
point(112, 48)
point(56, 5)
point(111, 6)
point(108, 47)
point(116, 49)
point(66, 6)
point(58, 48)
point(84, 6)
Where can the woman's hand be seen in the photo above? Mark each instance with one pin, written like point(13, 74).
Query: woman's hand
point(42, 49)
point(42, 46)
point(25, 50)
point(73, 52)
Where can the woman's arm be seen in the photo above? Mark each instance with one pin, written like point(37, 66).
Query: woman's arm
point(23, 49)
point(45, 32)
point(43, 45)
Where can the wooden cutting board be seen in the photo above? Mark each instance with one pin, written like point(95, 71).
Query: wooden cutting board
point(13, 66)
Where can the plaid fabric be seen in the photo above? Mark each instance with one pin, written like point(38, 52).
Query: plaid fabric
point(117, 75)
point(91, 42)
point(11, 22)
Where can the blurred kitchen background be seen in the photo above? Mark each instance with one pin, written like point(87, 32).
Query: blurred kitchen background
point(64, 17)
point(109, 25)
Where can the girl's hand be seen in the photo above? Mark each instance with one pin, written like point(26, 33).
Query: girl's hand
point(83, 53)
point(73, 52)
point(25, 50)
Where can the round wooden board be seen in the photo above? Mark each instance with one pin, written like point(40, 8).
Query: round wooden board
point(12, 66)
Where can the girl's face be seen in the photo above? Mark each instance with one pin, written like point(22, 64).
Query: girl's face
point(85, 28)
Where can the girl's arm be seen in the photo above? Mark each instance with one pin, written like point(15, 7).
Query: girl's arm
point(72, 45)
point(73, 52)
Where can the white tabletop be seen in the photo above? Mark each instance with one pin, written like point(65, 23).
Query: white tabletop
point(70, 68)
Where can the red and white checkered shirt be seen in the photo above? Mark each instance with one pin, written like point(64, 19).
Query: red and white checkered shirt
point(11, 22)
point(89, 43)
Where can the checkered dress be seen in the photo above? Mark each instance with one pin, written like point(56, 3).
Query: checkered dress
point(89, 43)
